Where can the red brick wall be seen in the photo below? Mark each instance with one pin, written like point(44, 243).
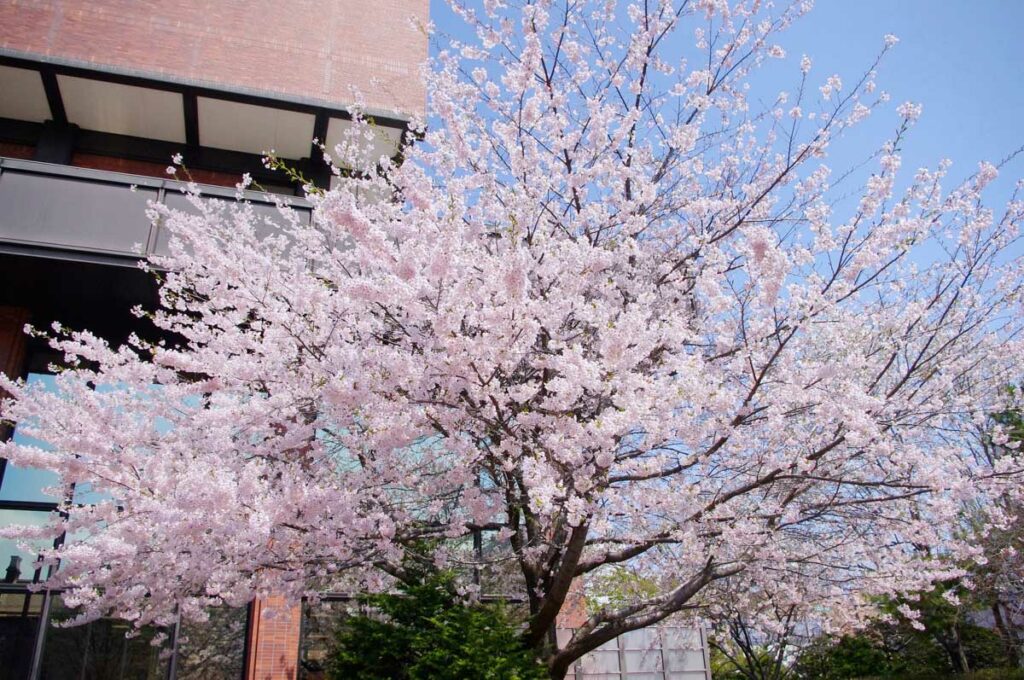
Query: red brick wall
point(12, 150)
point(274, 640)
point(574, 609)
point(12, 348)
point(302, 48)
point(132, 167)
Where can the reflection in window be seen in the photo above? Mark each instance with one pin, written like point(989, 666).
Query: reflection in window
point(214, 650)
point(19, 620)
point(17, 562)
point(19, 488)
point(27, 484)
point(99, 650)
point(107, 648)
point(320, 622)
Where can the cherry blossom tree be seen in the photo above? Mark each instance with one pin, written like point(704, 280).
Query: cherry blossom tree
point(607, 309)
point(997, 583)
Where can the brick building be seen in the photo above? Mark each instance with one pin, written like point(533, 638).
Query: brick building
point(95, 98)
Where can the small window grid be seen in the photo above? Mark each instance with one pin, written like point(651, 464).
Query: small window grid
point(655, 653)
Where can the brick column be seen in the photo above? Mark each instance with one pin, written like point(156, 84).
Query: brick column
point(274, 640)
point(574, 609)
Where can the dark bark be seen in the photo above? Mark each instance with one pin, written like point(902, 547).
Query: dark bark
point(1009, 639)
point(608, 625)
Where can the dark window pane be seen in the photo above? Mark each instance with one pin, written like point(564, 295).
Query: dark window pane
point(214, 650)
point(98, 650)
point(19, 620)
point(319, 623)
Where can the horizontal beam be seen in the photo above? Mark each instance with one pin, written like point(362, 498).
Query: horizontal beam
point(20, 131)
point(153, 151)
point(193, 90)
point(35, 506)
point(159, 151)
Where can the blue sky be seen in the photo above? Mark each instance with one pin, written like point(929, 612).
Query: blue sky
point(962, 59)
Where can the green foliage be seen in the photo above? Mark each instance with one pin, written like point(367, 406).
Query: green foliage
point(618, 586)
point(843, 658)
point(996, 674)
point(895, 651)
point(734, 665)
point(985, 649)
point(426, 633)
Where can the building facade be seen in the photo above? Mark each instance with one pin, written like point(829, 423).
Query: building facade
point(95, 99)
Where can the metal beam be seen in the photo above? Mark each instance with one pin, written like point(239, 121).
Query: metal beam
point(20, 131)
point(40, 641)
point(53, 96)
point(190, 103)
point(39, 506)
point(320, 124)
point(321, 174)
point(159, 151)
point(148, 150)
point(196, 90)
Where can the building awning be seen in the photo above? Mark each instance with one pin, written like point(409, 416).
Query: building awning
point(160, 113)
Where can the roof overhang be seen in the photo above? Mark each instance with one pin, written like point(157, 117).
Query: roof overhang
point(173, 112)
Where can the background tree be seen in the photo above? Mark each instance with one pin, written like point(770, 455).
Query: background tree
point(424, 632)
point(740, 651)
point(938, 641)
point(607, 308)
point(998, 583)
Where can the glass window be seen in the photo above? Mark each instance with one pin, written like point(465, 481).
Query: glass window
point(16, 562)
point(319, 623)
point(645, 661)
point(19, 620)
point(27, 484)
point(214, 650)
point(601, 661)
point(85, 494)
point(105, 649)
point(644, 638)
point(684, 659)
point(99, 650)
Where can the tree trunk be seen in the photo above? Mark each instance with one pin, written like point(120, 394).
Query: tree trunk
point(1009, 639)
point(957, 652)
point(558, 668)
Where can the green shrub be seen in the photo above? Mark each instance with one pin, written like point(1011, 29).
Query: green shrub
point(425, 633)
point(996, 674)
point(984, 648)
